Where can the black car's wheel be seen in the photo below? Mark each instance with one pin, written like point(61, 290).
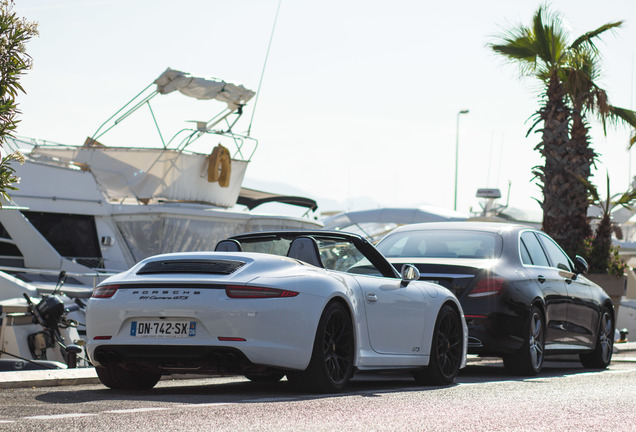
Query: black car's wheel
point(529, 359)
point(331, 365)
point(116, 377)
point(601, 357)
point(446, 350)
point(269, 376)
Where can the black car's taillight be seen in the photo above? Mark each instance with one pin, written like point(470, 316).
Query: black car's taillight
point(489, 286)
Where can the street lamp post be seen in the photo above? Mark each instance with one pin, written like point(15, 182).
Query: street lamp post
point(465, 111)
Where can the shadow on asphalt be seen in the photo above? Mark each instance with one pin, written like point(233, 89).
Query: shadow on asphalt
point(208, 390)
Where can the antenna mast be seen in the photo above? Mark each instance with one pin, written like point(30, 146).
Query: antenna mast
point(258, 91)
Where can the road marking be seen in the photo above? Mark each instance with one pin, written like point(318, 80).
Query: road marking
point(121, 411)
point(613, 371)
point(204, 405)
point(59, 416)
point(278, 399)
point(135, 410)
point(7, 421)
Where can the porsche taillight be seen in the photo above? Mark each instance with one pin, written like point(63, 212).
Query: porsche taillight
point(245, 292)
point(488, 287)
point(105, 291)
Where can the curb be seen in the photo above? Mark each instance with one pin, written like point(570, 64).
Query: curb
point(620, 347)
point(48, 378)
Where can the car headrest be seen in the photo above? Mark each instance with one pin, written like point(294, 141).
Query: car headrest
point(229, 245)
point(305, 249)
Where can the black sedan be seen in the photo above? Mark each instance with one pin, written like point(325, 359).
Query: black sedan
point(523, 298)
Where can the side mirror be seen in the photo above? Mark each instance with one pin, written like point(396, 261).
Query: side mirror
point(580, 265)
point(409, 273)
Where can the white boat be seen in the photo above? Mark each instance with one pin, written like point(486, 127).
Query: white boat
point(375, 223)
point(94, 210)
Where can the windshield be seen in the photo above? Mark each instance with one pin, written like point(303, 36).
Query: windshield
point(441, 244)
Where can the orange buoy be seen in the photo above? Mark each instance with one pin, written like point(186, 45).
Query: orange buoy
point(220, 166)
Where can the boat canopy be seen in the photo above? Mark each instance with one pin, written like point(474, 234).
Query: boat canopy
point(235, 95)
point(375, 223)
point(253, 198)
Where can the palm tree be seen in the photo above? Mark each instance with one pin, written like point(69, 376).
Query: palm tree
point(543, 50)
point(587, 98)
point(601, 254)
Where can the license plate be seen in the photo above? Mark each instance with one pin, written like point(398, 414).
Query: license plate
point(163, 329)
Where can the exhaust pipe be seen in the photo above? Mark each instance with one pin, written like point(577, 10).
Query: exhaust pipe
point(106, 357)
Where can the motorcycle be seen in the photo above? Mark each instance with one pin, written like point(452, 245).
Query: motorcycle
point(51, 336)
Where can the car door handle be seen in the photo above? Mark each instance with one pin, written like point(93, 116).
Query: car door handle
point(568, 281)
point(371, 297)
point(541, 279)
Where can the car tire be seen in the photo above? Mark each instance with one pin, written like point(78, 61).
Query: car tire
point(118, 378)
point(331, 364)
point(601, 357)
point(270, 376)
point(528, 360)
point(446, 350)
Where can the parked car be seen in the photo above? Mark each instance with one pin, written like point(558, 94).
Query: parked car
point(523, 298)
point(313, 305)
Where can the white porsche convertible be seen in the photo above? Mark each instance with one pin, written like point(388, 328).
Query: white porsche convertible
point(315, 306)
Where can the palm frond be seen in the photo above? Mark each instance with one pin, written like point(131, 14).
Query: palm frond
point(591, 190)
point(517, 50)
point(550, 36)
point(625, 116)
point(627, 199)
point(588, 37)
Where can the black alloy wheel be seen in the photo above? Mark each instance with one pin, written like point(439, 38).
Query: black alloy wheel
point(446, 350)
point(331, 365)
point(601, 357)
point(529, 359)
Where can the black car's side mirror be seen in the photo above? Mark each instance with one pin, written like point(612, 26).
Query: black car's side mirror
point(580, 265)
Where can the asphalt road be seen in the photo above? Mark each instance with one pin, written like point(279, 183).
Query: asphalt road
point(564, 397)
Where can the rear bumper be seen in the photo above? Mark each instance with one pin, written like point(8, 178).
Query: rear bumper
point(495, 334)
point(167, 359)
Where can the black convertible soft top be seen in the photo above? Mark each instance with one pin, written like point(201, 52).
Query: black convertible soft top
point(362, 244)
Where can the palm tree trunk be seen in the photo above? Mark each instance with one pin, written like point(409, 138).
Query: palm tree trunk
point(581, 159)
point(562, 197)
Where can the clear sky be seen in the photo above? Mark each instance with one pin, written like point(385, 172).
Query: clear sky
point(359, 101)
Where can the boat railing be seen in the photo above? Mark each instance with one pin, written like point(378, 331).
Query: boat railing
point(96, 275)
point(220, 126)
point(244, 146)
point(26, 144)
point(185, 137)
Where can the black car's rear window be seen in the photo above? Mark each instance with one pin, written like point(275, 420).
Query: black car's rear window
point(224, 267)
point(441, 244)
